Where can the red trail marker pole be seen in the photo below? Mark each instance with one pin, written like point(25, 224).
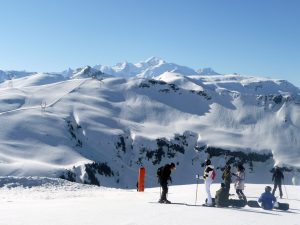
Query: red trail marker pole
point(141, 181)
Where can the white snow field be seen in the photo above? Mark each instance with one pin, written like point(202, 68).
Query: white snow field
point(45, 201)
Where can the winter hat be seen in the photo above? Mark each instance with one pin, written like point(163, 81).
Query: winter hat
point(172, 165)
point(207, 162)
point(268, 189)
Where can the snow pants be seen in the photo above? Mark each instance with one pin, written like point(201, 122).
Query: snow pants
point(164, 193)
point(277, 184)
point(241, 194)
point(208, 182)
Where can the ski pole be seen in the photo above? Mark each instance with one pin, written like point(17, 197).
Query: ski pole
point(197, 178)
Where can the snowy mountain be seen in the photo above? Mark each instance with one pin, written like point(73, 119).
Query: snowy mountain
point(149, 68)
point(207, 71)
point(152, 67)
point(87, 126)
point(9, 75)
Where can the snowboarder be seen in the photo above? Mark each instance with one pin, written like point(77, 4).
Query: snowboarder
point(209, 176)
point(267, 199)
point(277, 178)
point(221, 197)
point(240, 182)
point(227, 177)
point(164, 175)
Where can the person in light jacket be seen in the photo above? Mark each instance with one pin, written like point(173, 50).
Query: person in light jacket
point(240, 182)
point(208, 177)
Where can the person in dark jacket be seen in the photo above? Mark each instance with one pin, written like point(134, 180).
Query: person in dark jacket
point(267, 199)
point(163, 179)
point(227, 177)
point(221, 197)
point(277, 178)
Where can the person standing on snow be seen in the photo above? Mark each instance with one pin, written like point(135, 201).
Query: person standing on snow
point(240, 181)
point(164, 175)
point(277, 178)
point(267, 199)
point(209, 176)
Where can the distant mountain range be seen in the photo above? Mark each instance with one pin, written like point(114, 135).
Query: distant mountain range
point(100, 124)
point(152, 67)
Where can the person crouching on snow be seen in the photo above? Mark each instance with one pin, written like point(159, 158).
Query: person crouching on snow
point(267, 199)
point(209, 176)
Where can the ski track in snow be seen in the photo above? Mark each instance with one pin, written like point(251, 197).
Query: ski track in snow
point(48, 105)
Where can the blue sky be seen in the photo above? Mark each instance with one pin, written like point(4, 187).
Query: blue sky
point(249, 37)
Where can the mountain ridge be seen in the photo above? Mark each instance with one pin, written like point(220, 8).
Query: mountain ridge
point(96, 128)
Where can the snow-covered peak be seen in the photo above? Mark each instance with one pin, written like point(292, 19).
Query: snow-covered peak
point(247, 84)
point(153, 61)
point(12, 74)
point(67, 73)
point(207, 71)
point(86, 72)
point(151, 67)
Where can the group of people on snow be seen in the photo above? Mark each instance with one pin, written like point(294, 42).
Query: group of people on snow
point(267, 198)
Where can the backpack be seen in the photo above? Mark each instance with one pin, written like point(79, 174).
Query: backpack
point(213, 175)
point(159, 171)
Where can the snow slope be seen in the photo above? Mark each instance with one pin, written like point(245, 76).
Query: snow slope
point(95, 128)
point(51, 201)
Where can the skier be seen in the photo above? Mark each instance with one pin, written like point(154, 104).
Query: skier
point(209, 176)
point(227, 177)
point(277, 178)
point(221, 197)
point(240, 182)
point(164, 175)
point(267, 199)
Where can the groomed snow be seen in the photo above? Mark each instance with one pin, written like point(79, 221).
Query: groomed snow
point(44, 201)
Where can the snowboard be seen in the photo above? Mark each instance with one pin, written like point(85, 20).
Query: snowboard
point(281, 206)
point(235, 203)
